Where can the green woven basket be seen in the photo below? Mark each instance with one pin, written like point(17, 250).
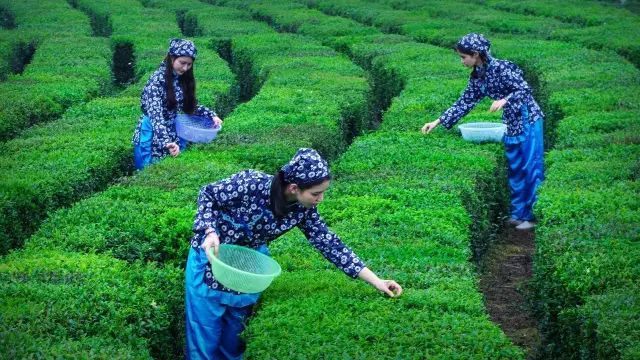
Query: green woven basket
point(243, 269)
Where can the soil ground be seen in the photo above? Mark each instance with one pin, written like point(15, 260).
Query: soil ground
point(504, 274)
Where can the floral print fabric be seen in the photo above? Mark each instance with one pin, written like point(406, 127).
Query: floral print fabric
point(238, 209)
point(154, 105)
point(498, 79)
point(181, 47)
point(306, 167)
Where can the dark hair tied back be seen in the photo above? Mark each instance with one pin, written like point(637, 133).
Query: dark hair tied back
point(187, 83)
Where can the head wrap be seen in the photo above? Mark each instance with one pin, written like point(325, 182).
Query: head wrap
point(306, 166)
point(182, 47)
point(475, 42)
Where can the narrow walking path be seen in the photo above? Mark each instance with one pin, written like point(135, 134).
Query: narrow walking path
point(504, 274)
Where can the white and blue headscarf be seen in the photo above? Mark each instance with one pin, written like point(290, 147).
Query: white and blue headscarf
point(306, 167)
point(475, 42)
point(182, 47)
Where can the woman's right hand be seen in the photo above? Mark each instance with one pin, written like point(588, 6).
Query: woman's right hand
point(211, 241)
point(174, 149)
point(430, 126)
point(216, 121)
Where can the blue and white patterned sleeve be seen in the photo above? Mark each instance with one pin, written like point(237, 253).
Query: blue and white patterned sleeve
point(467, 101)
point(154, 98)
point(202, 110)
point(329, 244)
point(212, 201)
point(518, 89)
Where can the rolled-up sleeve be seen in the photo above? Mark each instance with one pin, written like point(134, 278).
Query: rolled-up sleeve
point(330, 245)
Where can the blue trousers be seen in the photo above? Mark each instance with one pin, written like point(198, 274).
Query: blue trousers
point(525, 171)
point(214, 319)
point(142, 151)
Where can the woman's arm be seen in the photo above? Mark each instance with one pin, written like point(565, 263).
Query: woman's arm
point(511, 76)
point(153, 101)
point(466, 102)
point(334, 250)
point(206, 112)
point(388, 287)
point(213, 200)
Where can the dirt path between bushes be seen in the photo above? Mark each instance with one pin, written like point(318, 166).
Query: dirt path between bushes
point(504, 273)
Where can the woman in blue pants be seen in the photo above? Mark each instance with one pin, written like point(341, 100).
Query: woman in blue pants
point(502, 81)
point(170, 90)
point(252, 209)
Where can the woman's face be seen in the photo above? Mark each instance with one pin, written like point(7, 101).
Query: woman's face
point(182, 64)
point(312, 196)
point(470, 60)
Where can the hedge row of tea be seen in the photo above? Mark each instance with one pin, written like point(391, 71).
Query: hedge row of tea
point(394, 201)
point(589, 204)
point(599, 26)
point(69, 66)
point(55, 164)
point(380, 196)
point(148, 216)
point(591, 24)
point(66, 304)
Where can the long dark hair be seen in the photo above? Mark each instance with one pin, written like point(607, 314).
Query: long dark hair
point(187, 83)
point(278, 186)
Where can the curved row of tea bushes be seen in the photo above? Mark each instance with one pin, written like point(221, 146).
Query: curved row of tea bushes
point(69, 66)
point(592, 222)
point(54, 165)
point(600, 26)
point(16, 50)
point(119, 314)
point(393, 201)
point(477, 14)
point(149, 216)
point(68, 305)
point(586, 271)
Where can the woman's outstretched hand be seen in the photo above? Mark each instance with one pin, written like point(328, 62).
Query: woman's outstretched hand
point(388, 287)
point(430, 126)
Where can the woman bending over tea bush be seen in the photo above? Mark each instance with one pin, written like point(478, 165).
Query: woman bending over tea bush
point(252, 209)
point(502, 81)
point(170, 90)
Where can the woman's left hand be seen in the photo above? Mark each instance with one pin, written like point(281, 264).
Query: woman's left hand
point(216, 121)
point(389, 287)
point(497, 105)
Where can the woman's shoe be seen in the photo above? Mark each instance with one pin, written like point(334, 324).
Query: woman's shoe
point(526, 225)
point(514, 222)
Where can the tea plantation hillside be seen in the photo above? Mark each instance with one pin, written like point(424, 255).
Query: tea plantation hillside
point(92, 252)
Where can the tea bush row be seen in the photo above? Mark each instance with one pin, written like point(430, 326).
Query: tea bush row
point(55, 164)
point(600, 86)
point(148, 216)
point(68, 67)
point(394, 202)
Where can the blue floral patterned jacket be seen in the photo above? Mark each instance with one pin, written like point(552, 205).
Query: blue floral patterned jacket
point(153, 103)
point(498, 79)
point(238, 209)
